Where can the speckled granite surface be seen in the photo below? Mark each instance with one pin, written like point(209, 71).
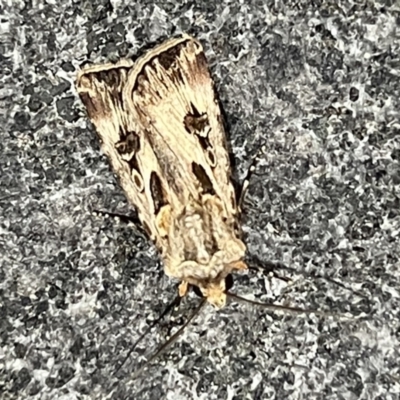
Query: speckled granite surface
point(319, 82)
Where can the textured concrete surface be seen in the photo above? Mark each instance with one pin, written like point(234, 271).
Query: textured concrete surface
point(319, 83)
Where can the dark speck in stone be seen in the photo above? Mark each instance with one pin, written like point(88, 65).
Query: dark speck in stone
point(20, 350)
point(354, 93)
point(61, 304)
point(21, 121)
point(25, 301)
point(66, 109)
point(42, 307)
point(20, 380)
point(63, 87)
point(67, 66)
point(52, 292)
point(77, 346)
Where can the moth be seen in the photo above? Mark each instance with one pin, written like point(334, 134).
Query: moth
point(160, 124)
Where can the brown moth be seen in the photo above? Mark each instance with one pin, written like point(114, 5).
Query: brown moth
point(160, 124)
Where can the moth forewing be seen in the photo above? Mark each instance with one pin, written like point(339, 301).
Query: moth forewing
point(160, 125)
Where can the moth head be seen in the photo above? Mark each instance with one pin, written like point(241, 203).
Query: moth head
point(214, 292)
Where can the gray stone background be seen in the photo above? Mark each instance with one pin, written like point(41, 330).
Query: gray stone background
point(319, 83)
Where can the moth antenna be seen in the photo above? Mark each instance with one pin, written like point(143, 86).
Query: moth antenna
point(169, 342)
point(289, 310)
point(169, 307)
point(271, 266)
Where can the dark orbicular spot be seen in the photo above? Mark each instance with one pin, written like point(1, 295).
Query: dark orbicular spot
point(127, 148)
point(199, 125)
point(196, 125)
point(157, 192)
point(129, 145)
point(203, 178)
point(196, 122)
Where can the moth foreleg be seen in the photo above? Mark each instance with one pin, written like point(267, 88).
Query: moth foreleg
point(269, 268)
point(126, 219)
point(122, 217)
point(170, 307)
point(183, 288)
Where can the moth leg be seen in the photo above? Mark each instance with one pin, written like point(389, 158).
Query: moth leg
point(246, 180)
point(183, 288)
point(124, 218)
point(170, 307)
point(239, 266)
point(269, 268)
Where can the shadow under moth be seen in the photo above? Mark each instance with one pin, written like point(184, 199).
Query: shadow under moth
point(160, 124)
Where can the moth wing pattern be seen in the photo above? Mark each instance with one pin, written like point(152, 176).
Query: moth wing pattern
point(160, 125)
point(100, 88)
point(173, 91)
